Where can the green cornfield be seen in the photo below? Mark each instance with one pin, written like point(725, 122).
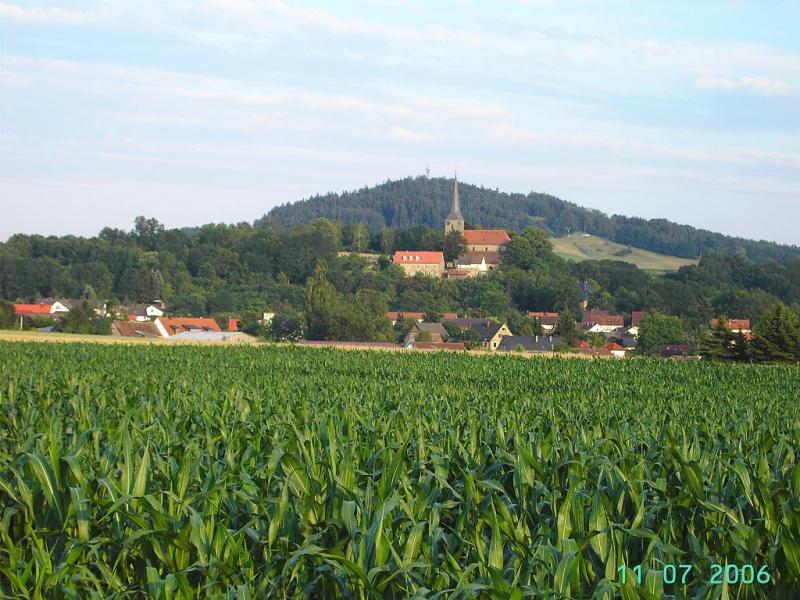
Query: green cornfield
point(139, 471)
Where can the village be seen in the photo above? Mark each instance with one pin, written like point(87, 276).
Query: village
point(598, 333)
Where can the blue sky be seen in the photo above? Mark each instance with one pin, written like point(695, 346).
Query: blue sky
point(195, 112)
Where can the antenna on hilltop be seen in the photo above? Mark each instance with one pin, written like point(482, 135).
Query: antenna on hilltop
point(427, 171)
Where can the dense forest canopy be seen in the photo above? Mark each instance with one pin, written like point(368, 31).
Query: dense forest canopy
point(236, 269)
point(426, 201)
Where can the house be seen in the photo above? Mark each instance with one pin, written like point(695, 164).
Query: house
point(737, 326)
point(637, 316)
point(436, 330)
point(233, 324)
point(396, 315)
point(629, 342)
point(486, 240)
point(415, 262)
point(169, 326)
point(146, 329)
point(600, 321)
point(481, 262)
point(529, 343)
point(33, 310)
point(196, 335)
point(143, 312)
point(449, 316)
point(617, 351)
point(547, 320)
point(60, 305)
point(490, 333)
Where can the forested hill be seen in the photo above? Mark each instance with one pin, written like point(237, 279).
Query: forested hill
point(426, 201)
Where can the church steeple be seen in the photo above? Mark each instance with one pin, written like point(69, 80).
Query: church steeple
point(455, 220)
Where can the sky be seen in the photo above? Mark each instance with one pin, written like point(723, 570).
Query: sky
point(195, 112)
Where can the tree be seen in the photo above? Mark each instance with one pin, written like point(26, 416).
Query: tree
point(454, 246)
point(777, 338)
point(387, 240)
point(363, 318)
point(7, 318)
point(322, 304)
point(528, 250)
point(657, 330)
point(720, 343)
point(360, 238)
point(148, 232)
point(149, 284)
point(565, 327)
point(285, 326)
point(424, 336)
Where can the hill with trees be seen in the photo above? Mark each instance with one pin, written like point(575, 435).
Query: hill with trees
point(426, 201)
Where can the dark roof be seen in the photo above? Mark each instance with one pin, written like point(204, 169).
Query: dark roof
point(475, 258)
point(531, 343)
point(468, 322)
point(485, 328)
point(682, 349)
point(431, 328)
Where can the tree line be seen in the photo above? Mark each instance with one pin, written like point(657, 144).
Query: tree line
point(244, 270)
point(426, 201)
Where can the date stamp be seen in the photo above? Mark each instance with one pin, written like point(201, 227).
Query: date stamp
point(681, 574)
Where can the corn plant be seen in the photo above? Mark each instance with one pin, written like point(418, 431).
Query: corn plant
point(166, 472)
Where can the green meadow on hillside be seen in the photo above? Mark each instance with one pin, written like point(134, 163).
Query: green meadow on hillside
point(580, 247)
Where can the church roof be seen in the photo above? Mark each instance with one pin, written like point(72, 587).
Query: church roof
point(489, 237)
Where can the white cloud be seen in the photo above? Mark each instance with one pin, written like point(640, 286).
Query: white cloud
point(57, 16)
point(758, 85)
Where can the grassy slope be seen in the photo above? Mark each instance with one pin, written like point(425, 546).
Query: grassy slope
point(580, 247)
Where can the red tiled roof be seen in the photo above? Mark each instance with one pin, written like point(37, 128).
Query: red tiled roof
point(136, 329)
point(488, 237)
point(636, 317)
point(734, 324)
point(394, 315)
point(602, 318)
point(449, 315)
point(421, 257)
point(614, 346)
point(233, 324)
point(32, 309)
point(175, 325)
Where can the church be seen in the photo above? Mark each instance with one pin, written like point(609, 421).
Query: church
point(477, 240)
point(483, 247)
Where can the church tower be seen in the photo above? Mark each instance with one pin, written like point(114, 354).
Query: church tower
point(455, 220)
